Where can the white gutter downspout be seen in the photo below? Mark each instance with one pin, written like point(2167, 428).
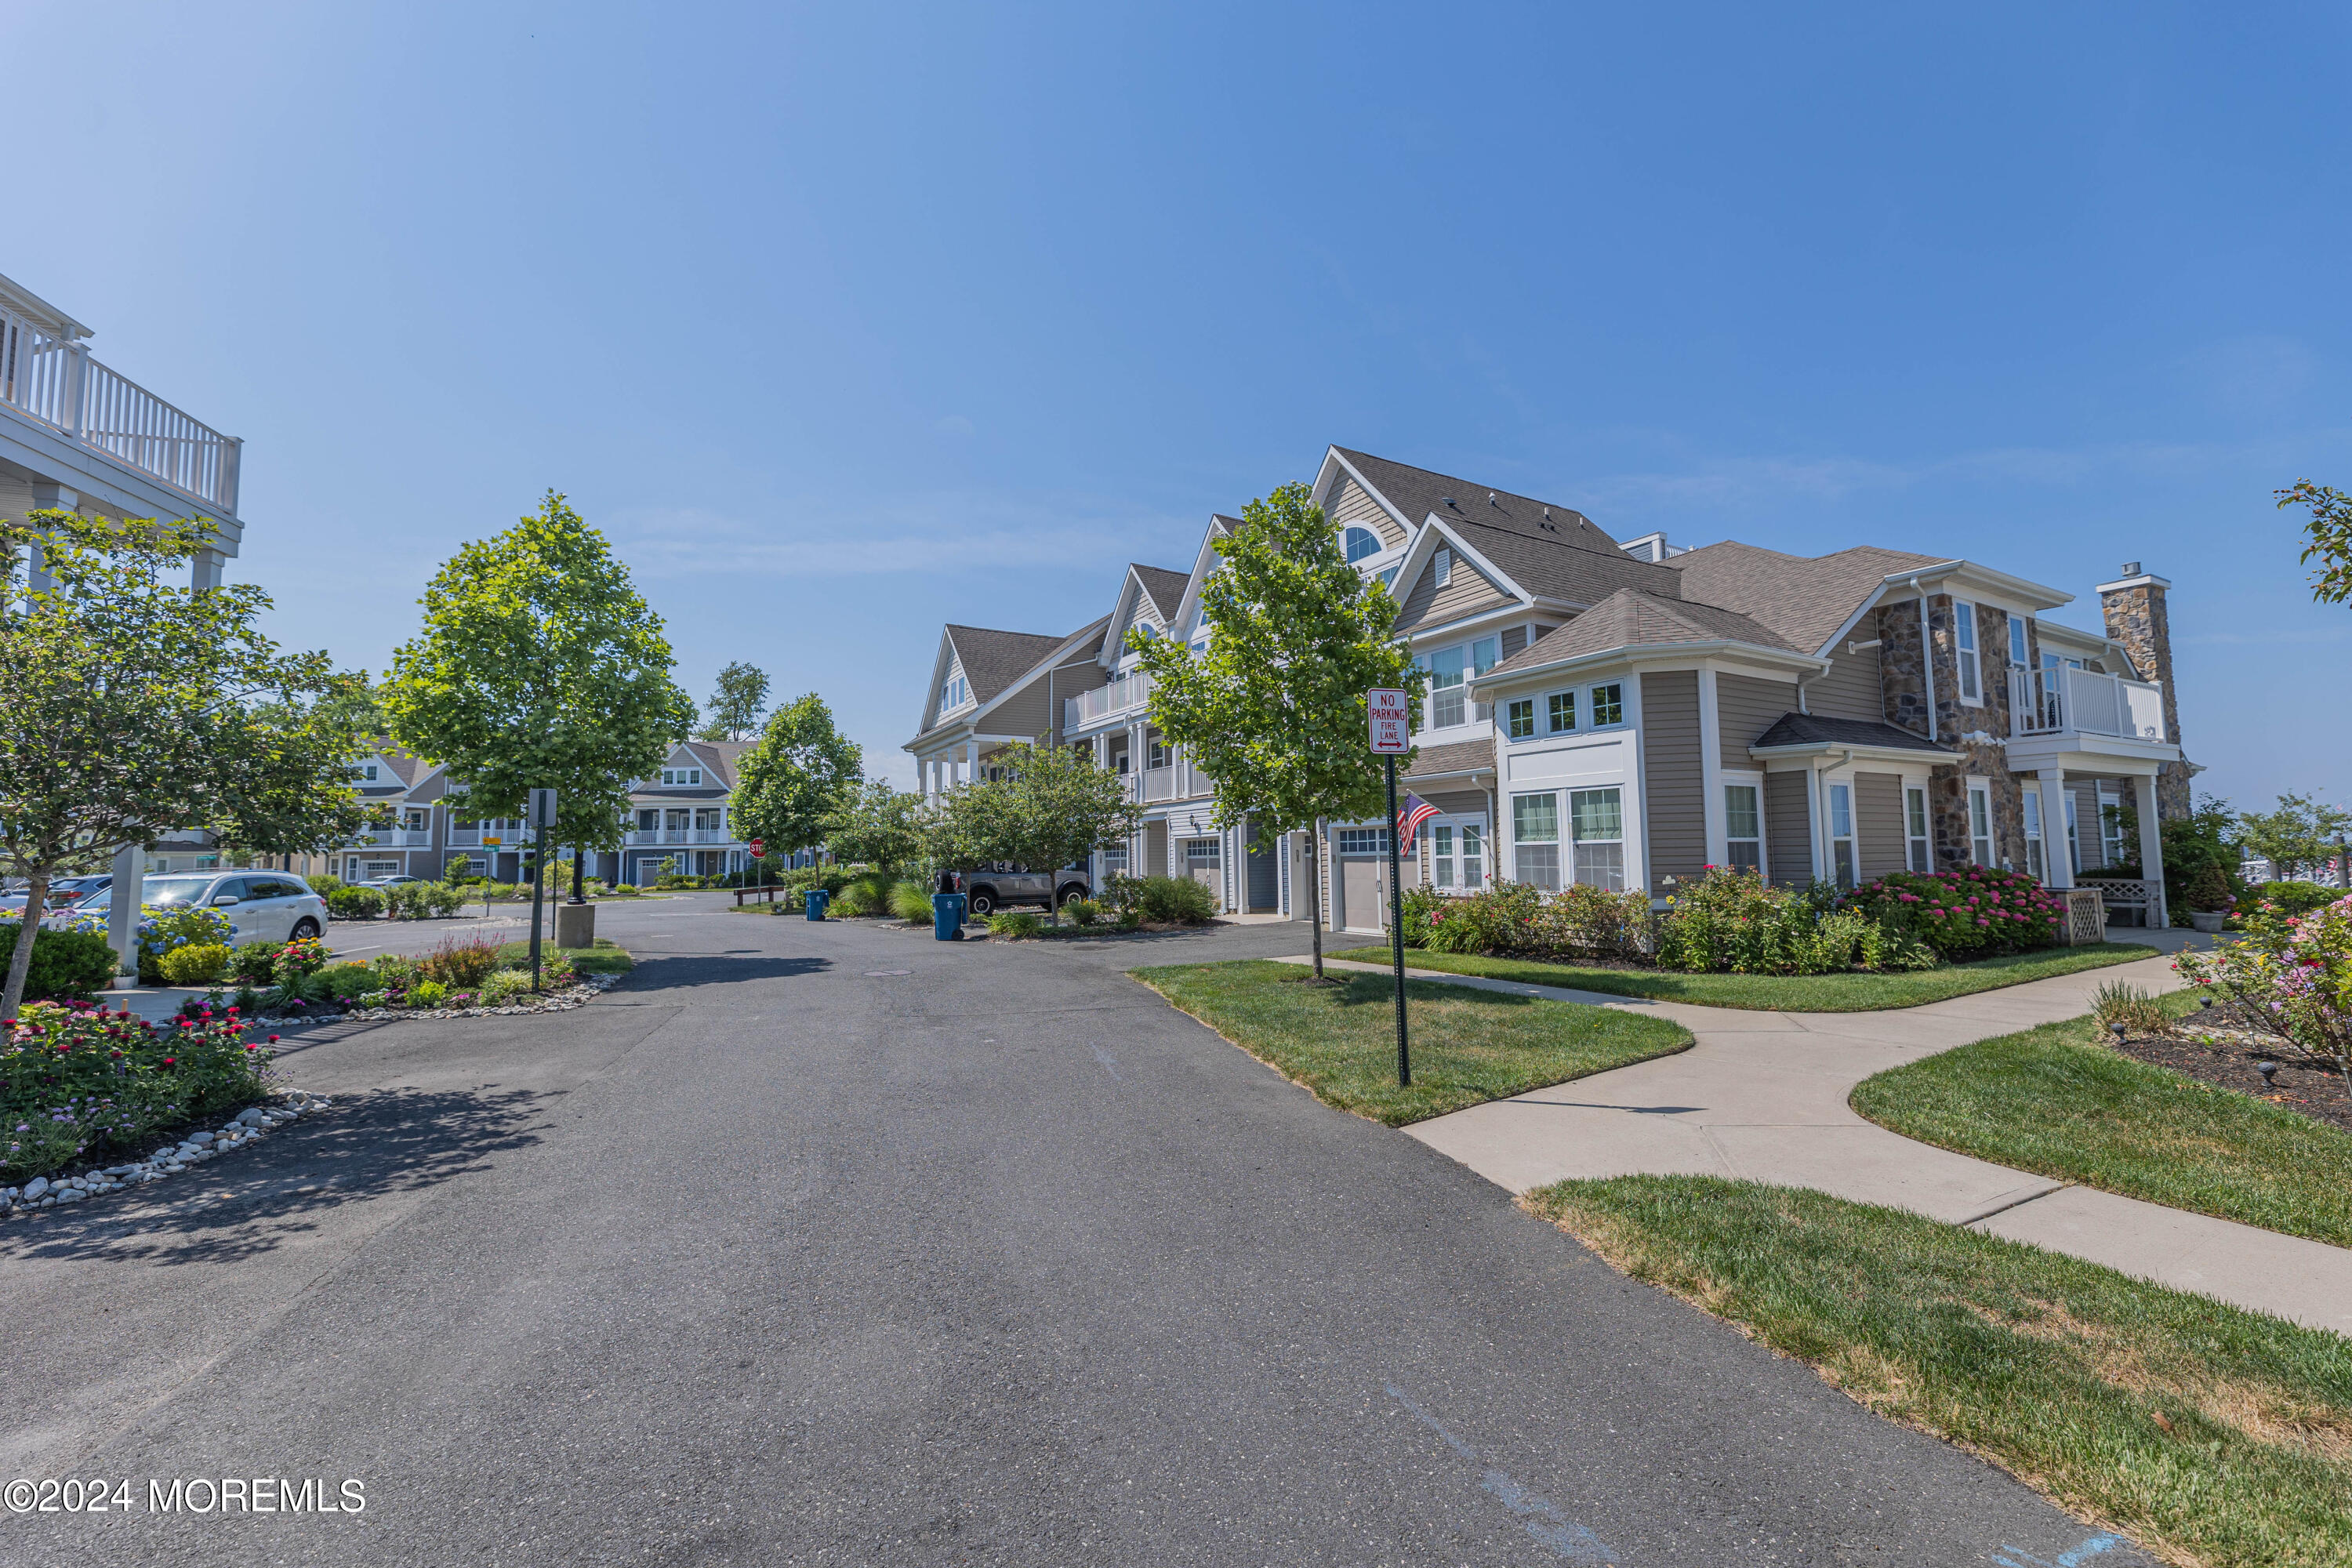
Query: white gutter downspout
point(1927, 656)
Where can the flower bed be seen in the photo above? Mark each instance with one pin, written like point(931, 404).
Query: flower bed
point(77, 1081)
point(47, 1192)
point(1972, 913)
point(2287, 982)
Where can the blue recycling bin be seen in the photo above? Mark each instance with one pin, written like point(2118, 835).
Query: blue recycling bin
point(946, 916)
point(818, 899)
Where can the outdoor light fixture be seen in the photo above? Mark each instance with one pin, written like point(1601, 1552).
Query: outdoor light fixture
point(2118, 1029)
point(2270, 1073)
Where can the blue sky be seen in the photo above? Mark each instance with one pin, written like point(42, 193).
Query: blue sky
point(844, 321)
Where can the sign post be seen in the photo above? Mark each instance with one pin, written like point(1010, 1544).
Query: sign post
point(759, 847)
point(542, 819)
point(1388, 712)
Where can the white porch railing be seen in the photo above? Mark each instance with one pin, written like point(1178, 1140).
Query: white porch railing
point(654, 838)
point(1127, 691)
point(2087, 702)
point(59, 384)
point(1160, 783)
point(394, 838)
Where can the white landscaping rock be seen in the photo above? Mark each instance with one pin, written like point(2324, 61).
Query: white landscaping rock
point(35, 1188)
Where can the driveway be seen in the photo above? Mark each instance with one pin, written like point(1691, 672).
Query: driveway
point(823, 1242)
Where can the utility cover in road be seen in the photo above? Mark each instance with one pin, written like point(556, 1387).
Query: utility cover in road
point(1390, 713)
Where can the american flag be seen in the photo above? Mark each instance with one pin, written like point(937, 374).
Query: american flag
point(1409, 820)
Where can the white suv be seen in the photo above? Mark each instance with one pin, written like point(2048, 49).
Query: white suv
point(261, 906)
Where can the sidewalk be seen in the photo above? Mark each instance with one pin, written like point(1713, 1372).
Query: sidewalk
point(1762, 1097)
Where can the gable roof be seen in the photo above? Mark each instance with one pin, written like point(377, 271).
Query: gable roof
point(1631, 618)
point(994, 660)
point(1166, 588)
point(1804, 599)
point(1417, 492)
point(1548, 568)
point(718, 757)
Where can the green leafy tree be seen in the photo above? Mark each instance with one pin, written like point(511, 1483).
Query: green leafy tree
point(2299, 836)
point(2327, 537)
point(1273, 709)
point(736, 706)
point(1047, 808)
point(129, 706)
point(538, 667)
point(795, 777)
point(877, 824)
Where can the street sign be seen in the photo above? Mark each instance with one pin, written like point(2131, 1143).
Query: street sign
point(758, 848)
point(1390, 715)
point(543, 808)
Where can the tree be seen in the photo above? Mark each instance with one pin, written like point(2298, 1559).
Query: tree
point(1273, 709)
point(877, 824)
point(1047, 808)
point(129, 707)
point(538, 667)
point(737, 705)
point(794, 777)
point(2327, 537)
point(2300, 836)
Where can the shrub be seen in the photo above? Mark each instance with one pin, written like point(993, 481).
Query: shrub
point(869, 894)
point(1577, 922)
point(198, 964)
point(255, 962)
point(427, 994)
point(423, 901)
point(2209, 889)
point(501, 986)
point(460, 965)
point(911, 901)
point(66, 964)
point(1975, 912)
point(1082, 911)
point(341, 982)
point(2136, 1010)
point(325, 882)
point(2290, 979)
point(306, 955)
point(161, 930)
point(1014, 925)
point(2287, 898)
point(78, 1082)
point(1174, 900)
point(355, 903)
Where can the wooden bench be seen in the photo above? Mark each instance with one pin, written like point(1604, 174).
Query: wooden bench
point(766, 893)
point(2119, 894)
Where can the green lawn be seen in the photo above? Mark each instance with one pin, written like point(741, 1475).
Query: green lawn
point(1849, 992)
point(2055, 1101)
point(1340, 1040)
point(607, 957)
point(2210, 1435)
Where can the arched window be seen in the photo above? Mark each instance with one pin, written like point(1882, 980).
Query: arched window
point(1363, 542)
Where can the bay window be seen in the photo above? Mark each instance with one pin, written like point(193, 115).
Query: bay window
point(1445, 668)
point(1534, 839)
point(1596, 821)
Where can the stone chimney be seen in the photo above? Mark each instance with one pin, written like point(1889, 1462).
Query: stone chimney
point(2135, 616)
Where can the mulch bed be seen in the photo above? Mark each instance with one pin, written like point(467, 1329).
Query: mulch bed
point(2317, 1092)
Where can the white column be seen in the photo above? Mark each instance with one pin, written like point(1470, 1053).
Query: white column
point(1817, 814)
point(204, 572)
point(971, 761)
point(122, 904)
point(2151, 845)
point(1710, 767)
point(2053, 827)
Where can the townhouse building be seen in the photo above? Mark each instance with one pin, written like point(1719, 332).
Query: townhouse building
point(1627, 713)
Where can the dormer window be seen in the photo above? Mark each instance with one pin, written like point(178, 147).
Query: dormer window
point(676, 777)
point(1361, 543)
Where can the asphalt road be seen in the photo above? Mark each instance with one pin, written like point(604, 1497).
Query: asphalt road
point(823, 1244)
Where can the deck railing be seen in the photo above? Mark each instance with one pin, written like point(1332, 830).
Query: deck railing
point(1127, 691)
point(57, 383)
point(2085, 701)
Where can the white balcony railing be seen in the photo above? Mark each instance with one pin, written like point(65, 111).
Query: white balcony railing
point(58, 384)
point(1160, 783)
point(656, 837)
point(394, 838)
point(1127, 691)
point(2049, 703)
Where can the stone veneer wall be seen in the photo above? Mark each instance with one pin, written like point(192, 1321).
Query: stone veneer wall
point(1947, 804)
point(1975, 732)
point(2136, 617)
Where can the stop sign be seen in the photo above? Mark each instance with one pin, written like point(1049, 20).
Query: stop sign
point(759, 849)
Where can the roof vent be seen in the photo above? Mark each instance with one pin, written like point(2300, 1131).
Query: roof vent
point(1491, 500)
point(2131, 568)
point(1447, 499)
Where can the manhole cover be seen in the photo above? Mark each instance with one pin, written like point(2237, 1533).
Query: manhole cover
point(878, 974)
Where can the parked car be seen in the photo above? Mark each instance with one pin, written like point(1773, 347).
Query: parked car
point(389, 881)
point(261, 906)
point(988, 889)
point(64, 893)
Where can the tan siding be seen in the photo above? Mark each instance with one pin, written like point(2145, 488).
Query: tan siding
point(1468, 593)
point(1788, 829)
point(1672, 783)
point(1456, 802)
point(1745, 708)
point(1878, 822)
point(1023, 712)
point(1351, 502)
point(1848, 688)
point(1515, 640)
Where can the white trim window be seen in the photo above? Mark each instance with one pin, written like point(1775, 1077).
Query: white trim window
point(1743, 826)
point(1597, 820)
point(2034, 865)
point(2017, 658)
point(1964, 652)
point(675, 776)
point(365, 772)
point(1363, 841)
point(1358, 542)
point(954, 693)
point(1842, 856)
point(1922, 855)
point(1608, 706)
point(1520, 719)
point(1457, 856)
point(1560, 712)
point(1534, 839)
point(1445, 669)
point(1981, 822)
point(2074, 834)
point(2111, 827)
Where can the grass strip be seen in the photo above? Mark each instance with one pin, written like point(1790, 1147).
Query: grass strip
point(607, 957)
point(1468, 1046)
point(2055, 1101)
point(2210, 1435)
point(1852, 992)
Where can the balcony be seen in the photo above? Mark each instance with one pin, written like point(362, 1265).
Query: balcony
point(51, 380)
point(1129, 691)
point(2085, 703)
point(662, 837)
point(1158, 784)
point(394, 838)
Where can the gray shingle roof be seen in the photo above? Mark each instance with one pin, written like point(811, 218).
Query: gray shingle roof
point(994, 660)
point(1630, 618)
point(1459, 758)
point(719, 758)
point(1814, 730)
point(1550, 569)
point(1804, 599)
point(1417, 492)
point(1166, 587)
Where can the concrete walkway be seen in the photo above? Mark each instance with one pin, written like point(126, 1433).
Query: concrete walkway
point(1762, 1097)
